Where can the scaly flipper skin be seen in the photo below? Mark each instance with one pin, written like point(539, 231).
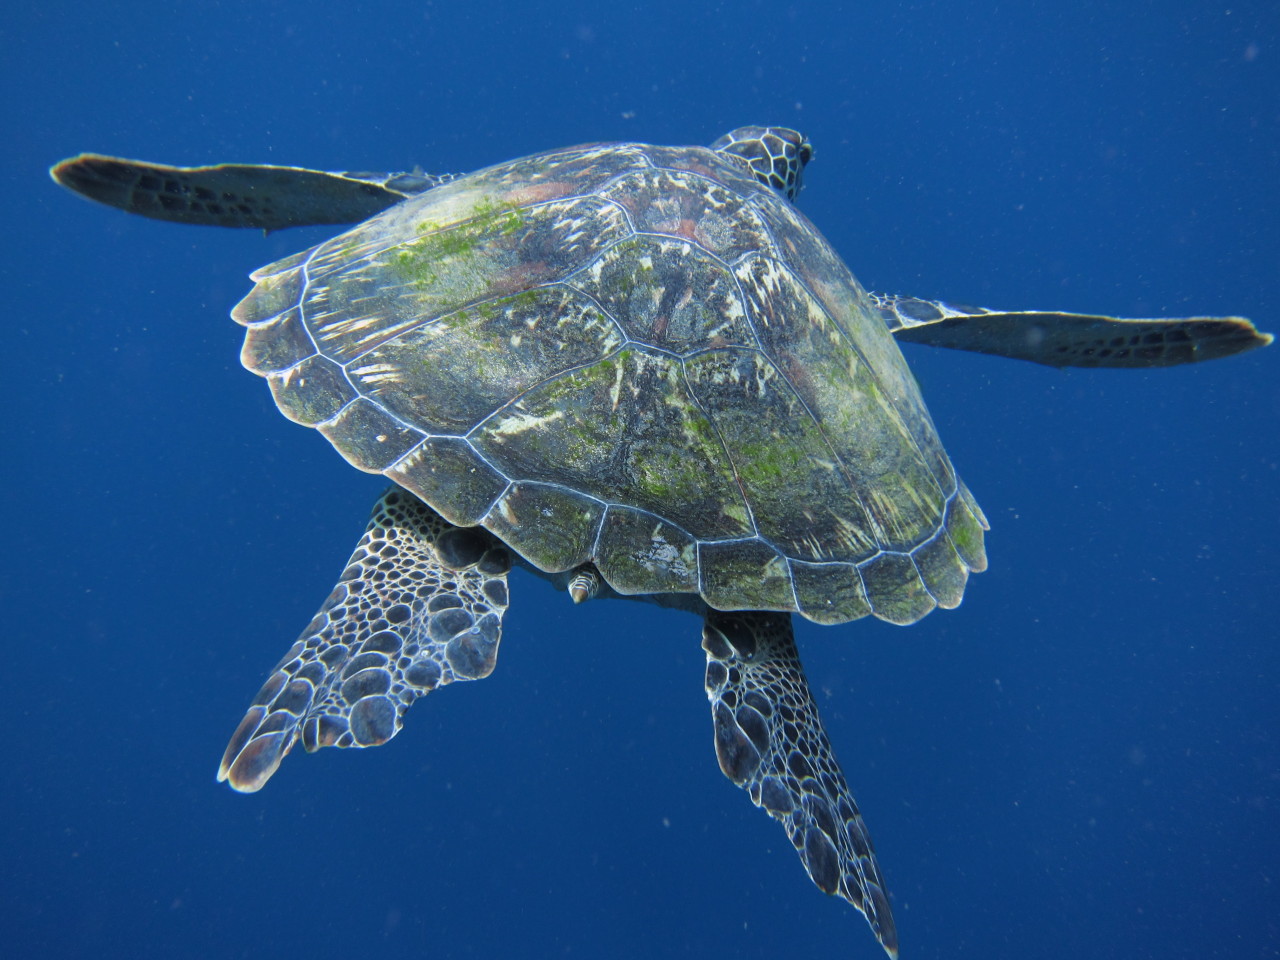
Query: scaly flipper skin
point(238, 194)
point(1068, 339)
point(770, 742)
point(419, 605)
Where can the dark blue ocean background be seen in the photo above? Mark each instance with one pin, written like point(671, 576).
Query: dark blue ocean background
point(1080, 761)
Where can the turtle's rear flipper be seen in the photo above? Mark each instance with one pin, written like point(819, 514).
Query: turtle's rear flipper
point(419, 605)
point(770, 742)
point(237, 194)
point(1067, 339)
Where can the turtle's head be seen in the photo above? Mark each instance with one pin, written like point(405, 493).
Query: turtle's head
point(776, 155)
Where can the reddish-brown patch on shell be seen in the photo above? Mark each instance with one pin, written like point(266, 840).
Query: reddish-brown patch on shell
point(540, 192)
point(519, 278)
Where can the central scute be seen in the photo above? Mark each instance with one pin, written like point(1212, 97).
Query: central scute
point(632, 356)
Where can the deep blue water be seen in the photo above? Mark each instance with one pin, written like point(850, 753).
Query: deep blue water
point(1081, 760)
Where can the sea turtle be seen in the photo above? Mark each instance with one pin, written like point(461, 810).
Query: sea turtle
point(637, 371)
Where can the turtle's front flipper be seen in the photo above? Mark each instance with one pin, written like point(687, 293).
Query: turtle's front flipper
point(237, 194)
point(419, 605)
point(770, 742)
point(1068, 339)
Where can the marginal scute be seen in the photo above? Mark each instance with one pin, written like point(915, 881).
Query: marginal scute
point(745, 575)
point(964, 528)
point(284, 265)
point(367, 437)
point(276, 344)
point(942, 570)
point(642, 553)
point(447, 473)
point(967, 496)
point(894, 587)
point(829, 592)
point(311, 392)
point(554, 528)
point(278, 288)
